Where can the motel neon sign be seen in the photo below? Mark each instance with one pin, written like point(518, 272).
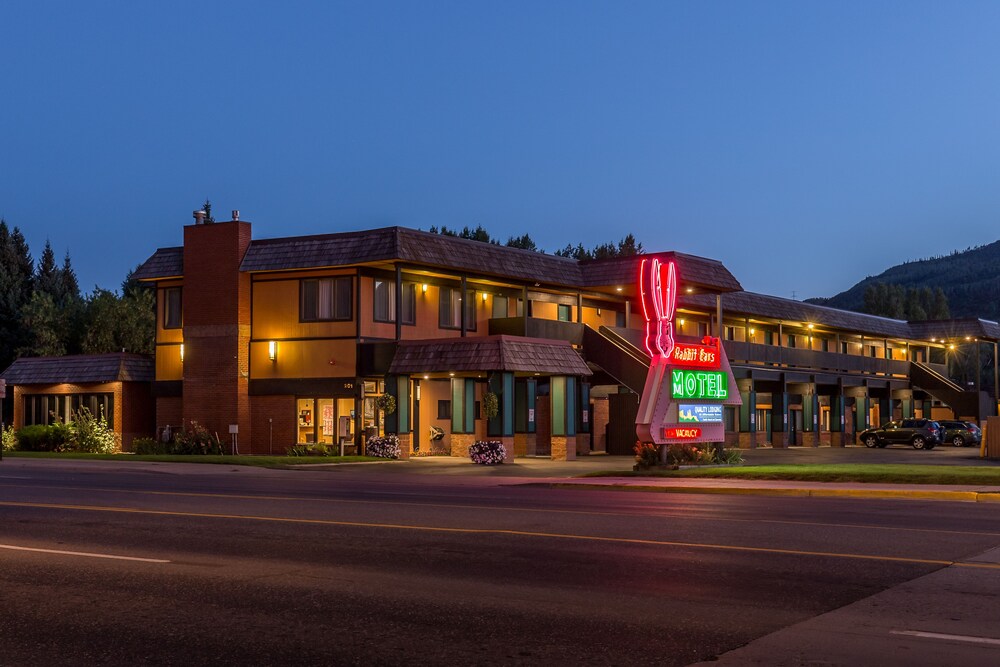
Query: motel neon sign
point(689, 381)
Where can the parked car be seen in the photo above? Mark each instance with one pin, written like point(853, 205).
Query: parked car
point(960, 433)
point(917, 433)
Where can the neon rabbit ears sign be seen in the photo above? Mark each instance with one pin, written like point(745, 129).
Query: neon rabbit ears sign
point(658, 291)
point(679, 370)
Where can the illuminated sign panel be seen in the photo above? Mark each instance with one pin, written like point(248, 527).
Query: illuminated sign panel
point(697, 356)
point(699, 384)
point(702, 414)
point(681, 432)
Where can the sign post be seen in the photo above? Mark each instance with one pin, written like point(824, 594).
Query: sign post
point(689, 380)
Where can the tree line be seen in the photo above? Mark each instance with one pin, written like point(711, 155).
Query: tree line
point(906, 303)
point(626, 247)
point(43, 313)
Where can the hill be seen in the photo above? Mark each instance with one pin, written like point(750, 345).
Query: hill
point(970, 279)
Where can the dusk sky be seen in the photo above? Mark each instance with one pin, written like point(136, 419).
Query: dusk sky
point(806, 145)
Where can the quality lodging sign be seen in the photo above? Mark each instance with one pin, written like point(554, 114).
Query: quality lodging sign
point(689, 380)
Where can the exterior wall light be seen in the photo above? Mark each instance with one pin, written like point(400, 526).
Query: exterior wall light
point(182, 353)
point(272, 350)
point(484, 296)
point(809, 326)
point(423, 288)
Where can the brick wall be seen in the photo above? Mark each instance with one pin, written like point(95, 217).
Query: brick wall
point(216, 305)
point(137, 413)
point(274, 437)
point(599, 425)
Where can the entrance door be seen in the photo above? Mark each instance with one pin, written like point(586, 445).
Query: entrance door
point(622, 411)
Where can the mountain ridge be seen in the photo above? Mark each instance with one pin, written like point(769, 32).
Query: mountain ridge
point(970, 279)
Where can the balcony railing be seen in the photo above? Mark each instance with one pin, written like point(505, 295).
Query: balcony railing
point(537, 328)
point(772, 355)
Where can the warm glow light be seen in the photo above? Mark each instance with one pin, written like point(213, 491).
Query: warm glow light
point(427, 377)
point(658, 294)
point(968, 338)
point(618, 289)
point(951, 347)
point(809, 326)
point(182, 353)
point(451, 375)
point(423, 288)
point(753, 331)
point(681, 321)
point(484, 296)
point(272, 350)
point(689, 290)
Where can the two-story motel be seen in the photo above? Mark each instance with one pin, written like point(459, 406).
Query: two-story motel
point(291, 340)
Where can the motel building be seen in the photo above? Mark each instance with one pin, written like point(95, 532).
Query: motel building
point(275, 342)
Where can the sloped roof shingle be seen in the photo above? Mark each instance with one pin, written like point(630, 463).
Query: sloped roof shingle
point(488, 353)
point(80, 369)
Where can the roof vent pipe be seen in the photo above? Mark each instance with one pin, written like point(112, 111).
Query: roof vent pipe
point(199, 217)
point(236, 215)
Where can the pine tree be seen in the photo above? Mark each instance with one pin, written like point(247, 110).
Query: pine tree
point(16, 274)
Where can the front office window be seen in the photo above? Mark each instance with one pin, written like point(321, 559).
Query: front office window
point(324, 299)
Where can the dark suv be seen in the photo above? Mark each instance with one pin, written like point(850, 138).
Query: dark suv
point(918, 433)
point(961, 434)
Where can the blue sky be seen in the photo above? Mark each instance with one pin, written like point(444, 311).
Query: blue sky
point(804, 144)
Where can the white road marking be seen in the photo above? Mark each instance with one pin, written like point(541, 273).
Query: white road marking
point(955, 638)
point(11, 547)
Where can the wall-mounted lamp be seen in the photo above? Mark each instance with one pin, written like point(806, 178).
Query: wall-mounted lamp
point(484, 296)
point(182, 353)
point(423, 288)
point(809, 326)
point(680, 322)
point(753, 331)
point(272, 350)
point(598, 312)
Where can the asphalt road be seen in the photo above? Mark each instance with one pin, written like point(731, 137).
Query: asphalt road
point(108, 563)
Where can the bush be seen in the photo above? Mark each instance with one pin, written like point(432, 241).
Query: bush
point(318, 449)
point(92, 434)
point(196, 439)
point(385, 447)
point(8, 439)
point(647, 454)
point(487, 452)
point(150, 446)
point(42, 438)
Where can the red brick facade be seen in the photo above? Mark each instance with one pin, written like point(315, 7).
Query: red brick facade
point(216, 305)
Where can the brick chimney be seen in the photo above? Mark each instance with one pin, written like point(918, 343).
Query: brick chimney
point(216, 302)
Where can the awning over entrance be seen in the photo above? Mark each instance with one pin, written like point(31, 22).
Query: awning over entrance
point(488, 353)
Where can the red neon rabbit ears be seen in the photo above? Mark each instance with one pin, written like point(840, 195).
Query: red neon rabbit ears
point(658, 289)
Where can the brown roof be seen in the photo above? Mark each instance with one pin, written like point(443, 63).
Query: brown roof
point(80, 369)
point(445, 252)
point(762, 305)
point(488, 353)
point(164, 263)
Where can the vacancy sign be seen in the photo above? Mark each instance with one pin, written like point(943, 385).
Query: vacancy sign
point(689, 381)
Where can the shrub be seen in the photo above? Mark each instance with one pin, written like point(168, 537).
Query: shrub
point(319, 449)
point(196, 439)
point(8, 439)
point(487, 452)
point(150, 446)
point(92, 434)
point(385, 447)
point(40, 438)
point(647, 454)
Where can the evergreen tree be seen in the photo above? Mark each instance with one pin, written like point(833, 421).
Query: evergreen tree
point(44, 331)
point(16, 274)
point(47, 276)
point(207, 208)
point(940, 310)
point(523, 242)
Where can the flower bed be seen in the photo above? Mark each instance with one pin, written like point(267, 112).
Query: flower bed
point(385, 447)
point(487, 452)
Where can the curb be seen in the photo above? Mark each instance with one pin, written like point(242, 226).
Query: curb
point(967, 496)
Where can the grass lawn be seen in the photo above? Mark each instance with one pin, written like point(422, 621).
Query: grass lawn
point(896, 473)
point(261, 461)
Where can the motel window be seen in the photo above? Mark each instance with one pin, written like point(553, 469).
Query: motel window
point(326, 299)
point(564, 313)
point(385, 302)
point(702, 329)
point(791, 340)
point(620, 319)
point(48, 408)
point(444, 410)
point(500, 306)
point(172, 314)
point(450, 309)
